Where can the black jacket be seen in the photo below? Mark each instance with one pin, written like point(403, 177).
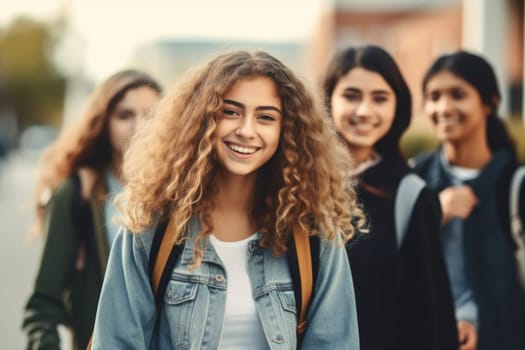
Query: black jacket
point(403, 295)
point(489, 248)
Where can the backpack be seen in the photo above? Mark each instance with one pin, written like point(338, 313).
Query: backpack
point(406, 196)
point(302, 256)
point(516, 224)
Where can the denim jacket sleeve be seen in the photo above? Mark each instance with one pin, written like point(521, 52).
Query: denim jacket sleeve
point(126, 292)
point(332, 315)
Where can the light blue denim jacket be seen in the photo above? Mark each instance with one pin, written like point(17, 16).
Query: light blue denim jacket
point(193, 311)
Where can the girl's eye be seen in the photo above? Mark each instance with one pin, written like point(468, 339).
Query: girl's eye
point(124, 115)
point(351, 97)
point(230, 112)
point(380, 99)
point(434, 96)
point(457, 94)
point(266, 117)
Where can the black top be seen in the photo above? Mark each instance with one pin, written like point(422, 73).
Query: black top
point(403, 296)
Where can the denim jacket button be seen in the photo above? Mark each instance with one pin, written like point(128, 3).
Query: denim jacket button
point(279, 339)
point(219, 278)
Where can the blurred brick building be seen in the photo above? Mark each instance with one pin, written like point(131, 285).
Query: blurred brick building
point(416, 31)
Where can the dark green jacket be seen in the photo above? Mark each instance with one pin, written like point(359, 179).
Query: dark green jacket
point(66, 290)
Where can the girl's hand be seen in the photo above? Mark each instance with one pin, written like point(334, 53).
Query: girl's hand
point(457, 202)
point(468, 336)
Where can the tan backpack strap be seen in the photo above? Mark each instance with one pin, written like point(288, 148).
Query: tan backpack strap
point(161, 260)
point(304, 260)
point(90, 343)
point(162, 256)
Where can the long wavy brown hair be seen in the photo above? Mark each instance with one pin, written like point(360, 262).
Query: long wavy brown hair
point(171, 163)
point(85, 144)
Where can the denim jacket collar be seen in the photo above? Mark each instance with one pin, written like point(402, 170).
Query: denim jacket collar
point(209, 253)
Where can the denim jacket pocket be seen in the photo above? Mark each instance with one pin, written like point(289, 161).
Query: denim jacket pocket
point(179, 306)
point(178, 292)
point(287, 299)
point(276, 303)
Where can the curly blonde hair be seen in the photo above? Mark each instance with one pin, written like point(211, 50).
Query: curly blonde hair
point(85, 144)
point(171, 163)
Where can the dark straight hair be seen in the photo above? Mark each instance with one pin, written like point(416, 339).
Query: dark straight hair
point(478, 73)
point(375, 59)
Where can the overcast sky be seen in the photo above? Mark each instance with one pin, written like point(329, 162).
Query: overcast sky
point(107, 31)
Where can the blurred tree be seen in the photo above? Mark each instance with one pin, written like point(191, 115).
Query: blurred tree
point(34, 87)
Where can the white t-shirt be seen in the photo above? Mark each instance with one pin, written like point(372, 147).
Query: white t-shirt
point(242, 327)
point(459, 174)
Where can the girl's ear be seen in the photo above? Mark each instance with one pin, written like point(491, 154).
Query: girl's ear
point(495, 101)
point(487, 110)
point(492, 108)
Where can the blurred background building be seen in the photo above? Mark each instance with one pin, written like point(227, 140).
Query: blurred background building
point(416, 31)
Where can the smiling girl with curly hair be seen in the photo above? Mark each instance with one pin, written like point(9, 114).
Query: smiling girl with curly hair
point(235, 159)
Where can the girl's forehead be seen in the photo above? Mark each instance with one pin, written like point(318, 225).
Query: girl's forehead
point(447, 79)
point(364, 79)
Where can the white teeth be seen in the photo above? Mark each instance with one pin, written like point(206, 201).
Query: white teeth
point(243, 150)
point(448, 120)
point(362, 124)
point(364, 127)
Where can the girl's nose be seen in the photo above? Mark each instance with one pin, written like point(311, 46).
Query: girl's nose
point(247, 127)
point(364, 109)
point(444, 106)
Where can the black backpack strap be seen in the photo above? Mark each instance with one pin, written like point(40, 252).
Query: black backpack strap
point(80, 213)
point(82, 217)
point(155, 246)
point(314, 252)
point(176, 251)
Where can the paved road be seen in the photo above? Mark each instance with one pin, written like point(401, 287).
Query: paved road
point(19, 255)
